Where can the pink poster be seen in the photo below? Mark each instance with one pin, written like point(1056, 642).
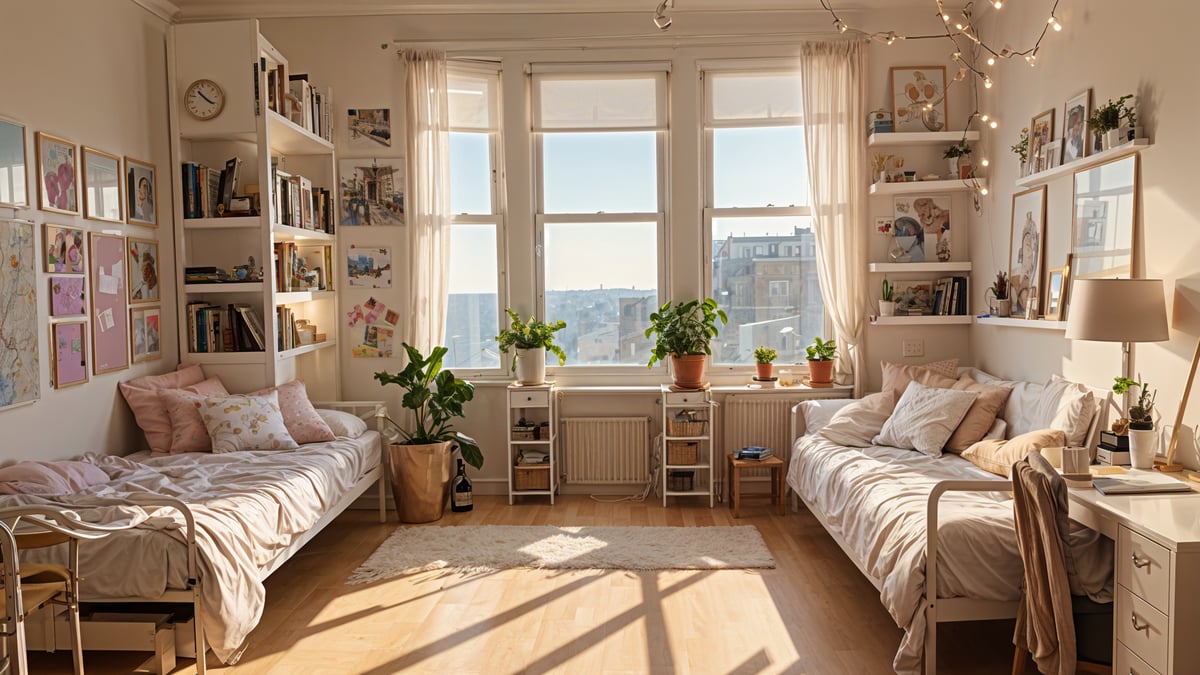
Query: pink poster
point(66, 296)
point(110, 318)
point(70, 353)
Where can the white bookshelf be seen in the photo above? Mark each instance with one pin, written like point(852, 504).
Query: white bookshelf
point(920, 138)
point(1044, 177)
point(913, 187)
point(926, 320)
point(1012, 322)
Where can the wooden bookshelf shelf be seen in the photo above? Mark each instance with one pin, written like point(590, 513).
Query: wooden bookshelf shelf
point(1044, 177)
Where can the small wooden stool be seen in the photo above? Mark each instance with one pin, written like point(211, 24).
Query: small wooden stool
point(775, 464)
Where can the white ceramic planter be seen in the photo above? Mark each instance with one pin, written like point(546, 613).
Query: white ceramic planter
point(1143, 444)
point(531, 366)
point(1111, 139)
point(887, 308)
point(952, 162)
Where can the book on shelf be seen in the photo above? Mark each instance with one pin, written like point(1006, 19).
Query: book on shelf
point(229, 180)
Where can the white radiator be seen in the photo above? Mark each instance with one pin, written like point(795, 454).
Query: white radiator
point(758, 420)
point(606, 450)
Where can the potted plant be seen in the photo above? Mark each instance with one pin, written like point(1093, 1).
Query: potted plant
point(1021, 148)
point(1105, 121)
point(887, 306)
point(953, 155)
point(683, 333)
point(1001, 304)
point(419, 460)
point(820, 361)
point(1143, 441)
point(764, 356)
point(530, 342)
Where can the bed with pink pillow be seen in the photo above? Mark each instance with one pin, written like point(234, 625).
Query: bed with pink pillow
point(231, 486)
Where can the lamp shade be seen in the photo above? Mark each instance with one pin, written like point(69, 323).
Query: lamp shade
point(1117, 310)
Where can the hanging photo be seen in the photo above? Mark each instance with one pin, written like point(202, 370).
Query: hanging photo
point(372, 191)
point(20, 372)
point(140, 186)
point(64, 250)
point(68, 344)
point(14, 191)
point(57, 174)
point(369, 127)
point(110, 316)
point(145, 333)
point(142, 258)
point(67, 296)
point(919, 98)
point(101, 185)
point(369, 266)
point(1025, 249)
point(922, 226)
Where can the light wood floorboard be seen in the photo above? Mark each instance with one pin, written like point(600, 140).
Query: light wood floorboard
point(813, 613)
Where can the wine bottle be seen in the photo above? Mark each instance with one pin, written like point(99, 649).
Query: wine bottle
point(460, 491)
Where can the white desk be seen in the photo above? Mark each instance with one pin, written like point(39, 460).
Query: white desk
point(1157, 607)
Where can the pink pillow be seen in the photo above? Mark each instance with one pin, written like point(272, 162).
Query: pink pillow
point(49, 478)
point(149, 411)
point(299, 416)
point(188, 433)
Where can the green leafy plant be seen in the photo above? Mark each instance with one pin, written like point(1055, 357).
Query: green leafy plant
point(1109, 115)
point(1141, 413)
point(532, 335)
point(999, 287)
point(1021, 148)
point(764, 354)
point(684, 328)
point(957, 150)
point(435, 398)
point(821, 350)
point(888, 290)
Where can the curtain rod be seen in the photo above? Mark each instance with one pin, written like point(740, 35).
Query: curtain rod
point(646, 41)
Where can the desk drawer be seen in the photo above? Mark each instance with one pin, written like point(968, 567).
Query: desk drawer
point(687, 398)
point(529, 399)
point(1144, 567)
point(1128, 663)
point(1141, 628)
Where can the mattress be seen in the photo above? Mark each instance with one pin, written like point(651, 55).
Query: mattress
point(248, 506)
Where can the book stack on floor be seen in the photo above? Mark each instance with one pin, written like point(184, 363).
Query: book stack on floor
point(1113, 449)
point(755, 452)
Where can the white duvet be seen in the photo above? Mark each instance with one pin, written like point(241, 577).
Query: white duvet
point(247, 505)
point(874, 501)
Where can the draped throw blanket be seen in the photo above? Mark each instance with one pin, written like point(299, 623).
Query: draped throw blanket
point(833, 82)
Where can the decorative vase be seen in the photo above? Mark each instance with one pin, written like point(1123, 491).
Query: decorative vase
point(687, 370)
point(1143, 445)
point(820, 372)
point(1112, 138)
point(531, 366)
point(952, 162)
point(420, 478)
point(887, 308)
point(763, 370)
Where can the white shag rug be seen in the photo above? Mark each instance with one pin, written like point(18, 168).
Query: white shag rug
point(474, 548)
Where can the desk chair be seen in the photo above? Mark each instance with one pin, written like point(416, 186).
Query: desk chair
point(1064, 632)
point(30, 586)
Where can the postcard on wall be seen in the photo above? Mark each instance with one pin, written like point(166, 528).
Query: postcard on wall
point(369, 266)
point(372, 191)
point(67, 296)
point(376, 343)
point(369, 127)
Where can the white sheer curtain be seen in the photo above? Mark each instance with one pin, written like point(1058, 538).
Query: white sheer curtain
point(427, 211)
point(834, 83)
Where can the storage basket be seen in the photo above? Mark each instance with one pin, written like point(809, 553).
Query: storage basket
point(524, 434)
point(686, 428)
point(682, 452)
point(531, 477)
point(680, 481)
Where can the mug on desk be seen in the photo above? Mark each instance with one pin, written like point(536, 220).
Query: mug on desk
point(1054, 455)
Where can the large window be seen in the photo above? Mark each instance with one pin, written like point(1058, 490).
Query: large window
point(472, 315)
point(599, 141)
point(764, 271)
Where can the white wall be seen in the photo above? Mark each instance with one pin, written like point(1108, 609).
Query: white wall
point(1114, 48)
point(93, 73)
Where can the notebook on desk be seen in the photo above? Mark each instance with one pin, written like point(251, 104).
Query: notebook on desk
point(1138, 484)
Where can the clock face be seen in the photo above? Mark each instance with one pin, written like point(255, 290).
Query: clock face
point(204, 99)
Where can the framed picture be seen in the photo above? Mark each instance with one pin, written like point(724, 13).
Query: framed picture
point(110, 318)
point(141, 188)
point(1041, 132)
point(101, 185)
point(372, 191)
point(1074, 134)
point(369, 127)
point(141, 256)
point(144, 333)
point(914, 298)
point(914, 87)
point(67, 296)
point(1051, 154)
point(1056, 286)
point(57, 174)
point(1025, 249)
point(20, 370)
point(14, 191)
point(64, 250)
point(68, 340)
point(369, 266)
point(927, 218)
point(1103, 237)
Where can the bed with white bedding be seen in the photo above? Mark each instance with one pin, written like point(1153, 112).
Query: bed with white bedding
point(251, 509)
point(880, 504)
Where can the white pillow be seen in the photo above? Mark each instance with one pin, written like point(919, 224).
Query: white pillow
point(855, 425)
point(924, 418)
point(818, 411)
point(997, 431)
point(1068, 407)
point(343, 424)
point(246, 423)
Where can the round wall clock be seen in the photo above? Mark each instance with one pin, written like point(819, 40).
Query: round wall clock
point(204, 99)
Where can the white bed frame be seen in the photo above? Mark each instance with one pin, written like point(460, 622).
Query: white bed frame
point(945, 610)
point(367, 410)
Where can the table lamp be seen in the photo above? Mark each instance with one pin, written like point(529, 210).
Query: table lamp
point(1125, 311)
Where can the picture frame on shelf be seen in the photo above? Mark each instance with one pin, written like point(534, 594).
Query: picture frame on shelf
point(1105, 213)
point(1051, 154)
point(1074, 134)
point(145, 333)
point(14, 160)
point(68, 296)
point(141, 257)
point(1026, 235)
point(914, 298)
point(101, 185)
point(68, 340)
point(1041, 132)
point(58, 174)
point(927, 217)
point(64, 250)
point(912, 87)
point(141, 190)
point(110, 320)
point(1056, 287)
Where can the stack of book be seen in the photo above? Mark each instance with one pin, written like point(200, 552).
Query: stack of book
point(1113, 449)
point(879, 122)
point(296, 202)
point(308, 106)
point(204, 275)
point(950, 296)
point(212, 328)
point(756, 452)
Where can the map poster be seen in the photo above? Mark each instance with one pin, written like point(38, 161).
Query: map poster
point(19, 370)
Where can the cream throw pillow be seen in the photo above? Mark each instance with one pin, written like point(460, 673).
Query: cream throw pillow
point(1068, 406)
point(980, 416)
point(924, 418)
point(998, 456)
point(818, 412)
point(246, 423)
point(855, 425)
point(896, 376)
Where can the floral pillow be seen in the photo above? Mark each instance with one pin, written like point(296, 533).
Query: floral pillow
point(246, 423)
point(299, 415)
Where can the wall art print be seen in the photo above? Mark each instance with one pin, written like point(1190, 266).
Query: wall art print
point(58, 175)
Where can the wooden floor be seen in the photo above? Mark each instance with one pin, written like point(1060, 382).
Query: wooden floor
point(813, 613)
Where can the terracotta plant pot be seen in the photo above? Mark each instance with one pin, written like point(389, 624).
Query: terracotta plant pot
point(420, 477)
point(820, 372)
point(764, 370)
point(688, 370)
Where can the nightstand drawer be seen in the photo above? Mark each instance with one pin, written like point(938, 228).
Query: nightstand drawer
point(1141, 628)
point(687, 398)
point(1144, 567)
point(528, 399)
point(1128, 662)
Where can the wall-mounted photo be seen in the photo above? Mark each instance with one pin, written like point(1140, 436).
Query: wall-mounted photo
point(101, 185)
point(1075, 113)
point(1025, 249)
point(922, 226)
point(14, 191)
point(64, 250)
point(110, 315)
point(142, 258)
point(913, 88)
point(144, 333)
point(57, 174)
point(369, 127)
point(68, 342)
point(372, 191)
point(20, 372)
point(141, 184)
point(369, 266)
point(67, 296)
